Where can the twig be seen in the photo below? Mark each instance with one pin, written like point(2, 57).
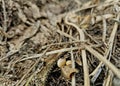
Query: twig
point(108, 80)
point(82, 38)
point(4, 15)
point(73, 64)
point(83, 8)
point(110, 43)
point(104, 30)
point(61, 43)
point(104, 60)
point(65, 34)
point(54, 52)
point(51, 52)
point(10, 53)
point(91, 37)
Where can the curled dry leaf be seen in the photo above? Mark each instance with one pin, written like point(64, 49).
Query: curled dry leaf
point(67, 71)
point(61, 62)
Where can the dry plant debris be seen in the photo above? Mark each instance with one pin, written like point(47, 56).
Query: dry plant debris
point(59, 43)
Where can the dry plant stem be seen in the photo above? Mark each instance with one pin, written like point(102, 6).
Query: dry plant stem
point(61, 43)
point(104, 60)
point(104, 30)
point(108, 81)
point(73, 64)
point(65, 34)
point(85, 66)
point(51, 52)
point(4, 15)
point(110, 43)
point(91, 37)
point(31, 67)
point(9, 54)
point(96, 69)
point(84, 8)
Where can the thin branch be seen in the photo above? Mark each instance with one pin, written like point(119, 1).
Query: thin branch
point(4, 15)
point(65, 34)
point(51, 52)
point(82, 38)
point(104, 30)
point(110, 43)
point(112, 67)
point(73, 64)
point(61, 43)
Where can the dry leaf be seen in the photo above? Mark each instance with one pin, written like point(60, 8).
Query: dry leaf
point(35, 10)
point(39, 38)
point(22, 15)
point(30, 31)
point(16, 43)
point(28, 12)
point(86, 21)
